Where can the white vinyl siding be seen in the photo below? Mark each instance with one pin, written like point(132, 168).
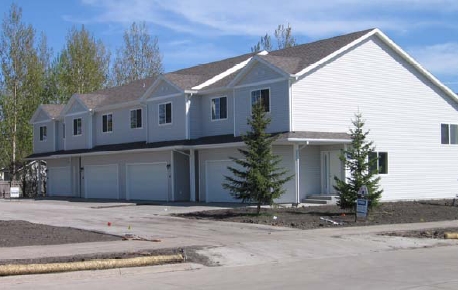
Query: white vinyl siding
point(401, 108)
point(279, 107)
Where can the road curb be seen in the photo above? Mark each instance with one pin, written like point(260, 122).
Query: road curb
point(27, 269)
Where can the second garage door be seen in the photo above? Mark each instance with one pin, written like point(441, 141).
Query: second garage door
point(214, 177)
point(101, 181)
point(147, 181)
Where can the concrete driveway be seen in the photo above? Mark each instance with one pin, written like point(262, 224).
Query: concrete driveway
point(224, 243)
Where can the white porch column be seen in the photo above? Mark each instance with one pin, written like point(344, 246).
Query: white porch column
point(297, 171)
point(192, 175)
point(39, 178)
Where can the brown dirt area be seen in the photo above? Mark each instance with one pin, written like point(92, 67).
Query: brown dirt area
point(21, 233)
point(312, 217)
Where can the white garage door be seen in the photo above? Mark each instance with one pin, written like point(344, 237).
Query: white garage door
point(214, 178)
point(101, 181)
point(59, 181)
point(147, 181)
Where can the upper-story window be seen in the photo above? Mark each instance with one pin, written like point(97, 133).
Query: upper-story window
point(262, 96)
point(219, 108)
point(77, 127)
point(43, 133)
point(136, 118)
point(165, 113)
point(107, 123)
point(63, 131)
point(449, 134)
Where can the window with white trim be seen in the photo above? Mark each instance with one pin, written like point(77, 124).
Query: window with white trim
point(449, 134)
point(262, 96)
point(43, 133)
point(77, 127)
point(380, 165)
point(165, 113)
point(219, 108)
point(107, 123)
point(136, 118)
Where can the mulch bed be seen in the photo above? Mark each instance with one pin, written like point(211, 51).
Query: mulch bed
point(312, 217)
point(21, 233)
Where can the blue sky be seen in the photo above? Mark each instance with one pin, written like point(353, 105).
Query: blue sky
point(199, 31)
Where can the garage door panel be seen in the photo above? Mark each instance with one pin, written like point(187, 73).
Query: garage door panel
point(101, 181)
point(215, 173)
point(147, 181)
point(59, 181)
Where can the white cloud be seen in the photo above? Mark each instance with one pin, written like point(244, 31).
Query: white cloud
point(242, 17)
point(440, 59)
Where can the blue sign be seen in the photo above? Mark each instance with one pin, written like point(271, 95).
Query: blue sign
point(361, 207)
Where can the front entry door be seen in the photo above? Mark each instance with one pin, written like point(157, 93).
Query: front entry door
point(330, 166)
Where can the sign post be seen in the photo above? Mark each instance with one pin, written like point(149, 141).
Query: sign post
point(362, 203)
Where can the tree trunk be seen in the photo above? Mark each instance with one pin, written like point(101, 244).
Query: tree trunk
point(258, 209)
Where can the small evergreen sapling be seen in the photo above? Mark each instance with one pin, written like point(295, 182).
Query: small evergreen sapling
point(258, 177)
point(362, 169)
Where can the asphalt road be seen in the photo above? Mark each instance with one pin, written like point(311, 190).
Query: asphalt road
point(251, 256)
point(430, 268)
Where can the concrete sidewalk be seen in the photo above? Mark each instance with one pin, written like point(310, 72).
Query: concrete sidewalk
point(225, 243)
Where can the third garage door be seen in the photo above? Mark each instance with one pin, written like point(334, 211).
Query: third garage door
point(147, 181)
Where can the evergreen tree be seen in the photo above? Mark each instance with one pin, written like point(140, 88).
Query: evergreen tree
point(362, 168)
point(258, 178)
point(81, 67)
point(283, 35)
point(138, 58)
point(22, 75)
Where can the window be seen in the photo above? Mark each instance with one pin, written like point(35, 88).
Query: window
point(381, 164)
point(43, 133)
point(449, 134)
point(165, 113)
point(219, 108)
point(63, 131)
point(262, 96)
point(107, 123)
point(136, 118)
point(77, 129)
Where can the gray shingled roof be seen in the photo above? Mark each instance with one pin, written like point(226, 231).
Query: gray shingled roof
point(315, 135)
point(292, 60)
point(220, 139)
point(193, 76)
point(116, 95)
point(53, 110)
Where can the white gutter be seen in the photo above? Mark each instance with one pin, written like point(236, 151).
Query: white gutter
point(310, 140)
